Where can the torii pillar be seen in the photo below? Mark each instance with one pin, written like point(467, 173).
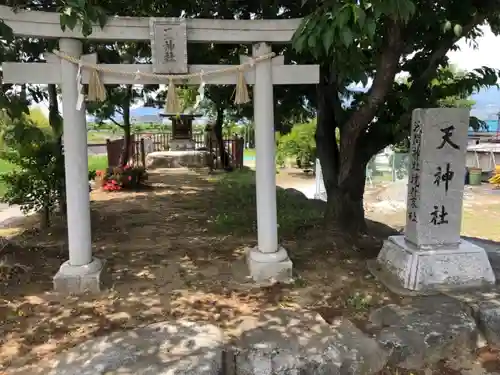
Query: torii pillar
point(268, 261)
point(82, 272)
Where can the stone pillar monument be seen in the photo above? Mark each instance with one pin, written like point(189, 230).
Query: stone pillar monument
point(431, 255)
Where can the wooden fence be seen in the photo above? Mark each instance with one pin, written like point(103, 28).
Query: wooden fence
point(144, 143)
point(137, 152)
point(161, 141)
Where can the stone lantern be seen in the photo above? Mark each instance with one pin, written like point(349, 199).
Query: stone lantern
point(182, 131)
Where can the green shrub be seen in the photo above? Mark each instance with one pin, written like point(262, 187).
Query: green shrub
point(299, 144)
point(37, 180)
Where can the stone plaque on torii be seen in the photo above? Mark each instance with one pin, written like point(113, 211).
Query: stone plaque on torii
point(169, 45)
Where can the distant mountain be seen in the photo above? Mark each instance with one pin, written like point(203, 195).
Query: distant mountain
point(486, 108)
point(145, 115)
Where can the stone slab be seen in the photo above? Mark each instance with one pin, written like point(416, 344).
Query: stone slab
point(177, 159)
point(425, 331)
point(88, 279)
point(165, 348)
point(266, 273)
point(283, 342)
point(433, 270)
point(488, 318)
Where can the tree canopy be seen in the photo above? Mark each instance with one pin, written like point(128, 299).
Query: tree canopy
point(375, 41)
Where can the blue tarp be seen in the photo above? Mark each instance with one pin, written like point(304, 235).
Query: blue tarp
point(492, 127)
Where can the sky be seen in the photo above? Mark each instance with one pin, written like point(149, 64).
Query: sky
point(486, 53)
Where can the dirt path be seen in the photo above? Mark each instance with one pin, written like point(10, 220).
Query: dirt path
point(172, 252)
point(481, 211)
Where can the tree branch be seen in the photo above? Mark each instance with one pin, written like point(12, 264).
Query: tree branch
point(386, 69)
point(115, 122)
point(438, 53)
point(441, 50)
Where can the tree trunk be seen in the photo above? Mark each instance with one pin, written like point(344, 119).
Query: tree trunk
point(344, 169)
point(345, 200)
point(224, 156)
point(55, 121)
point(23, 95)
point(127, 136)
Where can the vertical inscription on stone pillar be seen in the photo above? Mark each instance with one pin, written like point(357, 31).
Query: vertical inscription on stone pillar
point(414, 176)
point(435, 186)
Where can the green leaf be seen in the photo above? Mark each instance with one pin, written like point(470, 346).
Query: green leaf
point(68, 20)
point(342, 17)
point(62, 21)
point(328, 39)
point(371, 26)
point(457, 29)
point(102, 18)
point(311, 41)
point(299, 42)
point(346, 36)
point(86, 28)
point(77, 4)
point(359, 16)
point(6, 32)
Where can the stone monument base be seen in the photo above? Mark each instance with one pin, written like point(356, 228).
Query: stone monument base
point(401, 265)
point(182, 144)
point(80, 279)
point(177, 159)
point(269, 268)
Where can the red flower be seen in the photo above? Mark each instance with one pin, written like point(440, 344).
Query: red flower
point(130, 178)
point(113, 182)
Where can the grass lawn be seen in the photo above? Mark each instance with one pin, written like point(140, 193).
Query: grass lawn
point(98, 137)
point(97, 162)
point(249, 152)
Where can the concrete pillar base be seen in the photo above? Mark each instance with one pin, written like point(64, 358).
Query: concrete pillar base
point(80, 279)
point(400, 265)
point(268, 268)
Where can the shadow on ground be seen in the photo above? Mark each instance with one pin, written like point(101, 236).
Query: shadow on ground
point(177, 251)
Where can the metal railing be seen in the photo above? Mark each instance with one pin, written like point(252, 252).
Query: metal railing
point(385, 167)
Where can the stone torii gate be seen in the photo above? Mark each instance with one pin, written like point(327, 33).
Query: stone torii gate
point(83, 271)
